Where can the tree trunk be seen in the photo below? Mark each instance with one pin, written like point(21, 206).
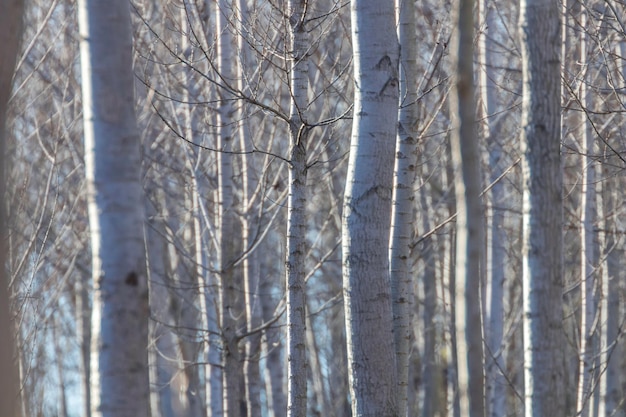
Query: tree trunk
point(542, 208)
point(120, 384)
point(10, 33)
point(496, 256)
point(367, 208)
point(403, 201)
point(296, 221)
point(230, 279)
point(588, 250)
point(469, 221)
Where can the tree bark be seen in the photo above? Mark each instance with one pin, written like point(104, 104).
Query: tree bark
point(403, 200)
point(296, 221)
point(120, 384)
point(367, 208)
point(542, 242)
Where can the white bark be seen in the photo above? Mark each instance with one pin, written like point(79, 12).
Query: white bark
point(403, 200)
point(230, 283)
point(612, 349)
point(542, 208)
point(588, 250)
point(251, 270)
point(496, 256)
point(296, 220)
point(120, 385)
point(366, 213)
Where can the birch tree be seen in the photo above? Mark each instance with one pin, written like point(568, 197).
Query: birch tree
point(403, 199)
point(540, 34)
point(366, 212)
point(296, 221)
point(495, 256)
point(113, 168)
point(469, 221)
point(10, 33)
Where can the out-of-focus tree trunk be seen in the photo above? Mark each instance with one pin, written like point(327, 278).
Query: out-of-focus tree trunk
point(469, 231)
point(495, 258)
point(10, 33)
point(119, 362)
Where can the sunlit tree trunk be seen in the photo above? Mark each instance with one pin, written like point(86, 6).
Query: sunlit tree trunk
point(469, 221)
point(120, 386)
point(540, 34)
point(367, 208)
point(612, 243)
point(588, 250)
point(230, 280)
point(403, 200)
point(495, 258)
point(10, 33)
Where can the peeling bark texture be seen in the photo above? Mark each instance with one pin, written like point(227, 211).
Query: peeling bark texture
point(366, 212)
point(542, 216)
point(119, 358)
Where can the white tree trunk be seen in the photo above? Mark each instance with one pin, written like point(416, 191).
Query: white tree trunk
point(542, 208)
point(612, 349)
point(496, 256)
point(120, 386)
point(403, 200)
point(230, 282)
point(588, 250)
point(367, 208)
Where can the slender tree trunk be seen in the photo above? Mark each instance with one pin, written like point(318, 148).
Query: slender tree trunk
point(272, 350)
point(162, 343)
point(230, 282)
point(367, 208)
point(495, 259)
point(588, 254)
point(10, 33)
point(403, 200)
point(470, 230)
point(540, 33)
point(431, 375)
point(612, 350)
point(296, 221)
point(251, 269)
point(120, 383)
point(83, 333)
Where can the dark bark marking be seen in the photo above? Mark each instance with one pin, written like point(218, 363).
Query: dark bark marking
point(132, 279)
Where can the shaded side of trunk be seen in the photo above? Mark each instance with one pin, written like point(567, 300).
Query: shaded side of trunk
point(542, 208)
point(469, 230)
point(10, 33)
point(296, 218)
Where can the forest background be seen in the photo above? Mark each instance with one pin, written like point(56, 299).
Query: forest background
point(273, 208)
